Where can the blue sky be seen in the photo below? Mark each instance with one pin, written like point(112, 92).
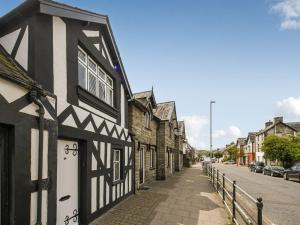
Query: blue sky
point(242, 54)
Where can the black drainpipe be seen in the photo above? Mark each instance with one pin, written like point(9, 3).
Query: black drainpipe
point(35, 98)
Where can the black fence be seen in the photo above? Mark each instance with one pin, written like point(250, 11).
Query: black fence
point(243, 208)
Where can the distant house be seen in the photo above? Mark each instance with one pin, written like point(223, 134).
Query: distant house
point(168, 124)
point(181, 142)
point(276, 127)
point(240, 143)
point(189, 156)
point(144, 125)
point(249, 148)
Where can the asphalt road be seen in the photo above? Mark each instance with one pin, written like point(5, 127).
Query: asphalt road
point(281, 198)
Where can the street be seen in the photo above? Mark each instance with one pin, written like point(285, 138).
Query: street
point(281, 198)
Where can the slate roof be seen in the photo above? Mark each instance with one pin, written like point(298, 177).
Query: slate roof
point(143, 97)
point(145, 94)
point(11, 71)
point(292, 125)
point(295, 125)
point(251, 136)
point(164, 110)
point(241, 141)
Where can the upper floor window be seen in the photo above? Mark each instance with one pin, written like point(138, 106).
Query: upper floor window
point(147, 120)
point(92, 78)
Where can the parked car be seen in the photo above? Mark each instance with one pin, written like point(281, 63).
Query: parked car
point(273, 171)
point(292, 173)
point(231, 162)
point(251, 163)
point(257, 167)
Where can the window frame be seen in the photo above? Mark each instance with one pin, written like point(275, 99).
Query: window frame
point(147, 120)
point(168, 157)
point(108, 81)
point(152, 157)
point(116, 162)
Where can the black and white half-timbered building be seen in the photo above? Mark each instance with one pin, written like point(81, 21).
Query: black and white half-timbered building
point(66, 155)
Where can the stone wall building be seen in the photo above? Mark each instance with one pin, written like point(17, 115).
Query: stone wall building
point(180, 145)
point(143, 125)
point(168, 124)
point(241, 159)
point(249, 148)
point(276, 127)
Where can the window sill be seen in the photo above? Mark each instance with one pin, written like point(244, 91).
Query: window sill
point(95, 102)
point(152, 168)
point(146, 128)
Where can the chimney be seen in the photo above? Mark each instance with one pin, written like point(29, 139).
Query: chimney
point(269, 123)
point(278, 119)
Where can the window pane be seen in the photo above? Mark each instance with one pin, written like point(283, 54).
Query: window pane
point(110, 96)
point(81, 75)
point(92, 83)
point(101, 90)
point(101, 74)
point(109, 81)
point(117, 156)
point(92, 66)
point(117, 171)
point(81, 55)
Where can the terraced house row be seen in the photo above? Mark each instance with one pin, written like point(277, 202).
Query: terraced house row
point(250, 148)
point(74, 140)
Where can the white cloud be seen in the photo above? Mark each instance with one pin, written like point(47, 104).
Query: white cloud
point(289, 10)
point(197, 130)
point(234, 132)
point(219, 133)
point(289, 106)
point(194, 127)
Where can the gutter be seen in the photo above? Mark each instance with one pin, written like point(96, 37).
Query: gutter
point(35, 96)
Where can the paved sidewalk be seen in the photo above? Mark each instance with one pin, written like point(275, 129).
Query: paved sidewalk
point(184, 199)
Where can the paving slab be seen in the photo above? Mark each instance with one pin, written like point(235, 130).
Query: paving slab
point(186, 198)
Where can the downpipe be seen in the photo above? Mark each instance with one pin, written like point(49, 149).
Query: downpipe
point(35, 98)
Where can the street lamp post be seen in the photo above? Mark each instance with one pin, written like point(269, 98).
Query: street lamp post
point(211, 144)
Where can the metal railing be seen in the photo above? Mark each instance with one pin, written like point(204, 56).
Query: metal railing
point(242, 207)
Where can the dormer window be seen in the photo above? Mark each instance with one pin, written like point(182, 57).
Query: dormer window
point(92, 78)
point(147, 120)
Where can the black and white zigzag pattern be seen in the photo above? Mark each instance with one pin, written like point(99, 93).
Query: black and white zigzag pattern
point(89, 122)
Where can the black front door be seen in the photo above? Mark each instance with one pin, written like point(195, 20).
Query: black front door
point(4, 145)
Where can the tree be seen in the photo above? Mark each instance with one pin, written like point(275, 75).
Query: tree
point(218, 154)
point(233, 151)
point(284, 149)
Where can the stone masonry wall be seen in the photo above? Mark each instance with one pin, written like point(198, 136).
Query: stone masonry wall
point(143, 136)
point(178, 155)
point(161, 151)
